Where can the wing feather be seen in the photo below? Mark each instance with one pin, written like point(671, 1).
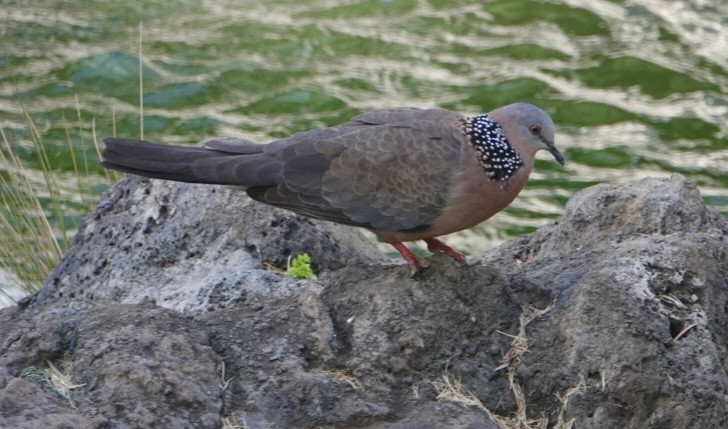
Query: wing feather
point(362, 172)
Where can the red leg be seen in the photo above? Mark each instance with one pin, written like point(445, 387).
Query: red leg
point(408, 256)
point(434, 245)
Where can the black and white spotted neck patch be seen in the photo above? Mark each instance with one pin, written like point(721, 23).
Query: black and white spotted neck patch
point(499, 159)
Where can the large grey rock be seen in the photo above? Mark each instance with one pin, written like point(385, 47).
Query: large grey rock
point(621, 306)
point(191, 248)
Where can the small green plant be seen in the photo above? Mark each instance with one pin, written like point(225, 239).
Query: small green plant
point(300, 268)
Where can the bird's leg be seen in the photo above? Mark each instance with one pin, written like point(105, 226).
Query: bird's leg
point(410, 257)
point(434, 245)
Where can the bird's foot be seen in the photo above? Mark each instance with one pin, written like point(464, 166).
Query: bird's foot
point(434, 245)
point(412, 260)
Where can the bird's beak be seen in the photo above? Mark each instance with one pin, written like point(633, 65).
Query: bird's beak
point(555, 152)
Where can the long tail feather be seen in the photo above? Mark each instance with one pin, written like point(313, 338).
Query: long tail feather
point(189, 163)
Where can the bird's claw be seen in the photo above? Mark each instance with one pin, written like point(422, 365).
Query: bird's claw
point(434, 245)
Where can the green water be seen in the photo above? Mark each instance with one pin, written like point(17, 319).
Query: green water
point(636, 88)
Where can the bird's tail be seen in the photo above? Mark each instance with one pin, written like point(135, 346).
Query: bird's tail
point(157, 161)
point(192, 164)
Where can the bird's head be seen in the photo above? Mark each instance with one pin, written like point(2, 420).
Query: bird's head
point(528, 128)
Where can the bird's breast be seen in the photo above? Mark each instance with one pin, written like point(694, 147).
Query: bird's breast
point(473, 198)
point(476, 197)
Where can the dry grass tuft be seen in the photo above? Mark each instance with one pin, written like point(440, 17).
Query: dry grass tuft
point(576, 390)
point(28, 242)
point(269, 266)
point(61, 381)
point(451, 389)
point(684, 331)
point(231, 422)
point(224, 381)
point(39, 207)
point(341, 376)
point(54, 380)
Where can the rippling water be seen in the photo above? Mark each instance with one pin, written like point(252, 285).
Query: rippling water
point(636, 88)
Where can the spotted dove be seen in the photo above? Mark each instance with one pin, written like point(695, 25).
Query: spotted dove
point(405, 174)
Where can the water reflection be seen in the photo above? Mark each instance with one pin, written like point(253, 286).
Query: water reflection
point(637, 88)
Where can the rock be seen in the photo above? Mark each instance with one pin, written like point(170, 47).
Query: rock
point(191, 248)
point(164, 315)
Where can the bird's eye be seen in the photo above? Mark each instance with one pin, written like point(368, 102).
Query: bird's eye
point(535, 129)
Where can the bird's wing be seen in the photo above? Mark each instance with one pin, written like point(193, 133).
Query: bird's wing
point(389, 170)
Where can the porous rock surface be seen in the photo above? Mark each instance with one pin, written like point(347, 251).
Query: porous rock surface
point(163, 314)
